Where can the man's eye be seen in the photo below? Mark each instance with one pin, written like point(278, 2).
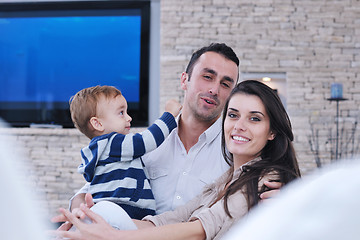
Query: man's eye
point(226, 85)
point(122, 113)
point(207, 77)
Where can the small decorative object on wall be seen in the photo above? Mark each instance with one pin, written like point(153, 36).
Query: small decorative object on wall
point(336, 91)
point(325, 143)
point(337, 96)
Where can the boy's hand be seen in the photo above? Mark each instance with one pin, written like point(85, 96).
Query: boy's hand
point(172, 106)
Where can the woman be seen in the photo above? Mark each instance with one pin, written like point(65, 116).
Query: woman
point(258, 138)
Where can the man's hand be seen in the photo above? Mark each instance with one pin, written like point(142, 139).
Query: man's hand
point(275, 186)
point(99, 229)
point(76, 211)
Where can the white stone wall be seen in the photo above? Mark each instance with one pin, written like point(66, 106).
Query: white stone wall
point(314, 42)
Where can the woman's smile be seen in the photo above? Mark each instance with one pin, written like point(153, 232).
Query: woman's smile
point(240, 138)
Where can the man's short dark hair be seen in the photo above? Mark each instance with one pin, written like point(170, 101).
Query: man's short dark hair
point(220, 48)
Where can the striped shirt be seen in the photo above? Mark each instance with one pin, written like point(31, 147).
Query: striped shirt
point(112, 164)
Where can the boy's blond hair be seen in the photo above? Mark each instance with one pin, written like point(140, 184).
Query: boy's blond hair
point(83, 106)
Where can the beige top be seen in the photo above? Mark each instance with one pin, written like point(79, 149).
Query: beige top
point(214, 219)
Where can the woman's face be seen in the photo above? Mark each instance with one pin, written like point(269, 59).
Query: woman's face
point(246, 127)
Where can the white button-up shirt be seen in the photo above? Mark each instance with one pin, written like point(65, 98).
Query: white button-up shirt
point(177, 176)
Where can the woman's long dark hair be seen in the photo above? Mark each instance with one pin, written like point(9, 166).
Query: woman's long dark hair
point(278, 154)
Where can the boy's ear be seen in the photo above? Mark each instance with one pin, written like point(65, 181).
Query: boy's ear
point(96, 124)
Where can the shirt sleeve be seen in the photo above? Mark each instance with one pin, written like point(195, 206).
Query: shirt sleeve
point(215, 219)
point(180, 214)
point(216, 222)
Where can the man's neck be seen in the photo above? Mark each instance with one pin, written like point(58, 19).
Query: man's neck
point(190, 128)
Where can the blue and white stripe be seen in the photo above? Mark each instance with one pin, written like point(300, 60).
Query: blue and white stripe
point(112, 165)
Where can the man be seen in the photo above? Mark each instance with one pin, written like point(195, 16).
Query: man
point(191, 156)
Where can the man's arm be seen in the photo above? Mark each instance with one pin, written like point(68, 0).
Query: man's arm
point(76, 201)
point(74, 206)
point(275, 189)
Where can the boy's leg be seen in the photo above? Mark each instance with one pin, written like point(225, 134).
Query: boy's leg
point(113, 214)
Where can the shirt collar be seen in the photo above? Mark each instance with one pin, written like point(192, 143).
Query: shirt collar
point(213, 131)
point(209, 134)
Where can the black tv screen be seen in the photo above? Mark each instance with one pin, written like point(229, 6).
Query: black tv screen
point(51, 50)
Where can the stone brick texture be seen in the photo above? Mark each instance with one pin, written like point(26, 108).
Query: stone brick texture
point(315, 43)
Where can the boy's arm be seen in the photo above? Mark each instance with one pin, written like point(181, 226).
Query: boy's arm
point(132, 146)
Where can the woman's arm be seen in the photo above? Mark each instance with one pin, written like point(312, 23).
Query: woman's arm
point(188, 230)
point(100, 230)
point(140, 224)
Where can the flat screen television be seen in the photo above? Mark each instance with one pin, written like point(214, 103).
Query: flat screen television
point(51, 50)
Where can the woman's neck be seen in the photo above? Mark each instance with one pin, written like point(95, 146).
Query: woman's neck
point(241, 160)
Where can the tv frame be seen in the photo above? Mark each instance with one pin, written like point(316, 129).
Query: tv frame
point(18, 117)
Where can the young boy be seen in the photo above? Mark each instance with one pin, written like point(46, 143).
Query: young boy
point(112, 161)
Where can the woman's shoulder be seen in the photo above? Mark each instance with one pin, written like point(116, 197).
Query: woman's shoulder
point(217, 185)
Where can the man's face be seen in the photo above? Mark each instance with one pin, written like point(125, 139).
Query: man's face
point(206, 90)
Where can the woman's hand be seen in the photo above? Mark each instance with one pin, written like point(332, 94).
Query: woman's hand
point(98, 230)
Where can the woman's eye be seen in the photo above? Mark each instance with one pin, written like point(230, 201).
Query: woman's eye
point(122, 113)
point(232, 115)
point(256, 119)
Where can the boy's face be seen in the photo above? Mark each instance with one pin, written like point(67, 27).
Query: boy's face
point(112, 113)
